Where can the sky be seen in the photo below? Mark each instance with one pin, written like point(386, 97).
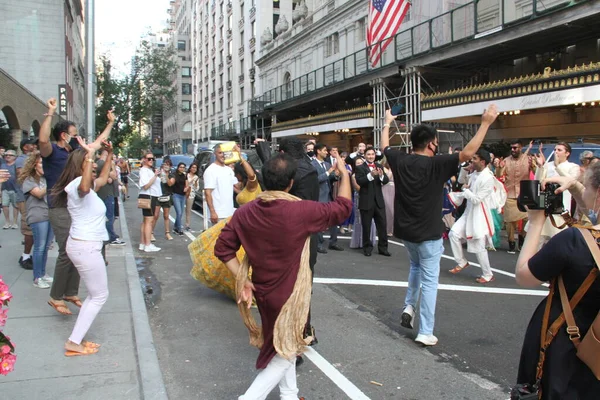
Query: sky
point(121, 23)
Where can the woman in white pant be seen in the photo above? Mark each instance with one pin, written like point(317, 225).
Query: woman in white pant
point(76, 188)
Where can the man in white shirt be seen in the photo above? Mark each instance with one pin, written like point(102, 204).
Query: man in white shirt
point(218, 188)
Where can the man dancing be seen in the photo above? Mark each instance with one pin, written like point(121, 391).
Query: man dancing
point(476, 225)
point(274, 232)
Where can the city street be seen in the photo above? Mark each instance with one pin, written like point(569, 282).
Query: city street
point(363, 352)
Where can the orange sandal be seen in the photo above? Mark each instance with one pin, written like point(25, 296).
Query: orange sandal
point(86, 352)
point(482, 280)
point(91, 345)
point(458, 268)
point(60, 306)
point(75, 300)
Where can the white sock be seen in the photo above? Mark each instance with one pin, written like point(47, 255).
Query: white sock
point(26, 256)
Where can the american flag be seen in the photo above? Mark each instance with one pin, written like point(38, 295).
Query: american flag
point(385, 17)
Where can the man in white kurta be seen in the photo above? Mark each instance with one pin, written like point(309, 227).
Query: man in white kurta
point(483, 193)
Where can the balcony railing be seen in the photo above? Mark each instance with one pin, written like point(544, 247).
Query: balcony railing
point(241, 78)
point(252, 12)
point(241, 51)
point(241, 23)
point(252, 42)
point(459, 25)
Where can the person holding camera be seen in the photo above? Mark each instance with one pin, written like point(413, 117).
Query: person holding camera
point(482, 195)
point(561, 166)
point(568, 263)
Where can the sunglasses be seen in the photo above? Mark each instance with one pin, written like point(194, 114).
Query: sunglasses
point(514, 147)
point(150, 158)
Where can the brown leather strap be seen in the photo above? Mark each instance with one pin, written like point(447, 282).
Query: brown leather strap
point(572, 328)
point(592, 244)
point(544, 343)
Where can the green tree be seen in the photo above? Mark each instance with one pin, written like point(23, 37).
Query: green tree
point(135, 98)
point(136, 145)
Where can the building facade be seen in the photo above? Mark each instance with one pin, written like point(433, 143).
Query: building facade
point(225, 46)
point(448, 60)
point(177, 121)
point(42, 47)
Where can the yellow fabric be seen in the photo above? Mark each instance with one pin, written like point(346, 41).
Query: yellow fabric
point(245, 196)
point(208, 269)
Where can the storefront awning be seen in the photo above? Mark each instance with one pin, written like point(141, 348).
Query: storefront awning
point(518, 103)
point(327, 127)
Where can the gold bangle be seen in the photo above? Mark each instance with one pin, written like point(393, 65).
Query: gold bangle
point(252, 180)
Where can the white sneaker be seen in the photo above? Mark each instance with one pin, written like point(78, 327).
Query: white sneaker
point(151, 248)
point(6, 226)
point(141, 247)
point(407, 317)
point(41, 284)
point(14, 226)
point(426, 340)
point(48, 279)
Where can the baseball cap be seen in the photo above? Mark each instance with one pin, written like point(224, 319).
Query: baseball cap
point(26, 141)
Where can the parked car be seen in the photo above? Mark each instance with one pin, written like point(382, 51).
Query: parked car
point(206, 157)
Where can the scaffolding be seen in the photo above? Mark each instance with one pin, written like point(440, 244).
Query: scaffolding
point(408, 96)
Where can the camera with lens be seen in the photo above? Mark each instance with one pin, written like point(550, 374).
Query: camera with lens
point(534, 198)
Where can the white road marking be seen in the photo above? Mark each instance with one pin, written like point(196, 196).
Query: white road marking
point(336, 376)
point(441, 286)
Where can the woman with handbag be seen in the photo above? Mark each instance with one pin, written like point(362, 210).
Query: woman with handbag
point(150, 191)
point(165, 201)
point(562, 337)
point(76, 189)
point(193, 187)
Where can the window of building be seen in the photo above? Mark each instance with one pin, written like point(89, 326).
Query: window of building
point(230, 48)
point(186, 88)
point(228, 73)
point(214, 107)
point(186, 105)
point(241, 94)
point(252, 60)
point(221, 80)
point(186, 72)
point(221, 109)
point(361, 30)
point(242, 37)
point(160, 45)
point(230, 100)
point(181, 45)
point(332, 45)
point(253, 25)
point(252, 90)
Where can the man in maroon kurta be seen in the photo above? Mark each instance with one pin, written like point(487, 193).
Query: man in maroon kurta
point(273, 234)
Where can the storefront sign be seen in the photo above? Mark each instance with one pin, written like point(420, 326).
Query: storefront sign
point(62, 100)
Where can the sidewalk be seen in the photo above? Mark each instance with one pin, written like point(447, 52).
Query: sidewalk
point(126, 366)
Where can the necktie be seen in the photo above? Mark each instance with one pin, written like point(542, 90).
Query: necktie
point(371, 165)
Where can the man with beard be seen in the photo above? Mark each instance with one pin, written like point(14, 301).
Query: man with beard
point(514, 169)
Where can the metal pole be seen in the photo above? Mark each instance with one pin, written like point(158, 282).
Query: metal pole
point(90, 73)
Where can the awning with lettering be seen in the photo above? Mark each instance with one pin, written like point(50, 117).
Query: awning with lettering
point(517, 103)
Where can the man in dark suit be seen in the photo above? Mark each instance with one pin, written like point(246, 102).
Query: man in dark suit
point(370, 177)
point(327, 175)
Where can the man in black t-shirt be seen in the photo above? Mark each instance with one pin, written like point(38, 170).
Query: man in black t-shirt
point(420, 177)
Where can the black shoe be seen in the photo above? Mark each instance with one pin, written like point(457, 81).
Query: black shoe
point(311, 332)
point(299, 361)
point(321, 250)
point(511, 247)
point(385, 253)
point(26, 264)
point(336, 247)
point(368, 252)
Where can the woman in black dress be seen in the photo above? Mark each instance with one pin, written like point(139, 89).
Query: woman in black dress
point(565, 376)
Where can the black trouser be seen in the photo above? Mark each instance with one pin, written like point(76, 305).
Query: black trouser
point(314, 240)
point(333, 233)
point(366, 218)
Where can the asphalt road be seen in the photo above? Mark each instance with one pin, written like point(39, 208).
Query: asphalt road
point(203, 346)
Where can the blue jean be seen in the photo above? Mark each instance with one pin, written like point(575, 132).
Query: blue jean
point(42, 237)
point(109, 202)
point(179, 204)
point(424, 278)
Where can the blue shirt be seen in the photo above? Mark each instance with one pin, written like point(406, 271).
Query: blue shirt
point(54, 165)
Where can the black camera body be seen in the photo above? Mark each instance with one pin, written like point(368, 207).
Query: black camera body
point(535, 198)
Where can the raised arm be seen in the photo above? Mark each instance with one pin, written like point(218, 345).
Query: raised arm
point(385, 133)
point(44, 136)
point(102, 178)
point(252, 183)
point(97, 144)
point(487, 119)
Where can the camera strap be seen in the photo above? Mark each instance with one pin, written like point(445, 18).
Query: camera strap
point(569, 220)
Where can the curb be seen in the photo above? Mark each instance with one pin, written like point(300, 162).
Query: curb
point(151, 380)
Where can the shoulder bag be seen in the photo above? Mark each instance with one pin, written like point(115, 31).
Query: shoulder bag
point(144, 203)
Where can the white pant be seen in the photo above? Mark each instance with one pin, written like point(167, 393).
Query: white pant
point(278, 371)
point(87, 258)
point(456, 242)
